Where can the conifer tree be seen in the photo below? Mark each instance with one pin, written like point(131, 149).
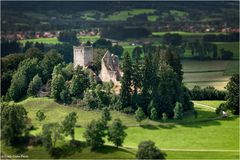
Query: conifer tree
point(125, 93)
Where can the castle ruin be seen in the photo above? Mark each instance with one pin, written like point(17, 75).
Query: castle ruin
point(110, 71)
point(82, 55)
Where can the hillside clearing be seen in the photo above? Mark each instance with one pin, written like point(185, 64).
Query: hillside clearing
point(189, 138)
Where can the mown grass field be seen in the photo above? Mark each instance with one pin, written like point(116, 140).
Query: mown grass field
point(190, 138)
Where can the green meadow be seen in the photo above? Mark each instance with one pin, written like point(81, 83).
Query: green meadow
point(54, 40)
point(186, 33)
point(125, 14)
point(191, 138)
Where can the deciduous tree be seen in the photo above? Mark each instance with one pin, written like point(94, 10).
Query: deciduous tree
point(116, 132)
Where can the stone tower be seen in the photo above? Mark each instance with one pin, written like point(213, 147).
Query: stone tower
point(82, 55)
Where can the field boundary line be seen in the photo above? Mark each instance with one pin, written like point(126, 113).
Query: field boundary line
point(204, 71)
point(199, 150)
point(192, 150)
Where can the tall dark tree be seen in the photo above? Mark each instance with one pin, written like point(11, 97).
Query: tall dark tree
point(172, 39)
point(68, 36)
point(26, 71)
point(34, 53)
point(57, 85)
point(169, 90)
point(173, 60)
point(51, 58)
point(34, 86)
point(136, 53)
point(125, 93)
point(233, 94)
point(117, 50)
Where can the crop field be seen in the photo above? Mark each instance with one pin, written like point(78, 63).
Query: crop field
point(232, 68)
point(55, 40)
point(208, 73)
point(190, 138)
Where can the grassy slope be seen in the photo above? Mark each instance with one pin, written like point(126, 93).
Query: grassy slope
point(213, 135)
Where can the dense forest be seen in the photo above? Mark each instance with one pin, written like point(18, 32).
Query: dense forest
point(151, 15)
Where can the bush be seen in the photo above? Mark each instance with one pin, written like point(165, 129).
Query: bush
point(128, 110)
point(148, 150)
point(164, 117)
point(56, 152)
point(178, 111)
point(220, 108)
point(207, 93)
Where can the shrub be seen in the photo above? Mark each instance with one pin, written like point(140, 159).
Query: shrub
point(153, 115)
point(220, 108)
point(128, 110)
point(139, 114)
point(164, 117)
point(148, 150)
point(178, 111)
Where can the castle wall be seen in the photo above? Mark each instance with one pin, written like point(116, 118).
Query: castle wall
point(82, 55)
point(108, 72)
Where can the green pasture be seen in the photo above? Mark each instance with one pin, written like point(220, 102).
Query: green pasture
point(187, 33)
point(190, 138)
point(54, 40)
point(41, 40)
point(125, 14)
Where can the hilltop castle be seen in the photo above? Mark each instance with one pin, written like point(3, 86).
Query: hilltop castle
point(110, 71)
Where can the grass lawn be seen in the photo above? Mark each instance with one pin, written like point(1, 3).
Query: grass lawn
point(55, 40)
point(42, 40)
point(212, 103)
point(230, 46)
point(189, 138)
